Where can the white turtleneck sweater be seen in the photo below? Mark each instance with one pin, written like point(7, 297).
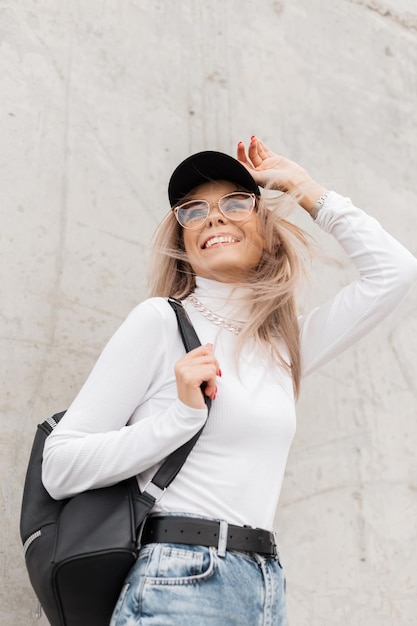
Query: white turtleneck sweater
point(127, 417)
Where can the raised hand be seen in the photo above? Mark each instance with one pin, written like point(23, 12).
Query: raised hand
point(277, 172)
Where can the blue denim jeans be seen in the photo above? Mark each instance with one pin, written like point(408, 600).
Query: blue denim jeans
point(179, 585)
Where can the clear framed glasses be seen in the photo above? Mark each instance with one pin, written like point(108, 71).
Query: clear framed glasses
point(235, 206)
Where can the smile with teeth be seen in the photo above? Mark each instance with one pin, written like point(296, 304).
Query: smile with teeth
point(220, 239)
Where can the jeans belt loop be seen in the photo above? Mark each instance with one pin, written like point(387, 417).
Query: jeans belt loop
point(222, 543)
point(140, 533)
point(274, 534)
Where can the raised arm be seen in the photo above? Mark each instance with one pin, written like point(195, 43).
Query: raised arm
point(386, 272)
point(386, 269)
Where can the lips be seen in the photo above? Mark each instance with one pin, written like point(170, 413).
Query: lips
point(216, 240)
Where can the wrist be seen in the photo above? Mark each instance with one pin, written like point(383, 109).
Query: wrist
point(299, 180)
point(314, 211)
point(310, 196)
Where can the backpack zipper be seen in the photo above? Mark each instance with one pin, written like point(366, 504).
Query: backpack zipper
point(30, 540)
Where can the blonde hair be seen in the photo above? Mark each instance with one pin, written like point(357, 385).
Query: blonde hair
point(272, 284)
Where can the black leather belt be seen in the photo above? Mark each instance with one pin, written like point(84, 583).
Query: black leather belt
point(205, 532)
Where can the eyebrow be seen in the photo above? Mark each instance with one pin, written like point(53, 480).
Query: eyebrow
point(192, 196)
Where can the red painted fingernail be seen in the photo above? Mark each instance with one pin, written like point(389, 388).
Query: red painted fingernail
point(219, 372)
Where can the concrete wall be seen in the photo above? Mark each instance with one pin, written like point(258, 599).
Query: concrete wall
point(99, 101)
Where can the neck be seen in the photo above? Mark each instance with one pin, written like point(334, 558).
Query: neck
point(225, 299)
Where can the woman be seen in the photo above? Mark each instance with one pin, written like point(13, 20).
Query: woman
point(235, 263)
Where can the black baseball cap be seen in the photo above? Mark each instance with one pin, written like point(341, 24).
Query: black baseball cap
point(205, 166)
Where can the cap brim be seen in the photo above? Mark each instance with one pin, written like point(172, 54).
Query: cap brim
point(205, 166)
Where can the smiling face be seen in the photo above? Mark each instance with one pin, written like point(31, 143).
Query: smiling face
point(222, 249)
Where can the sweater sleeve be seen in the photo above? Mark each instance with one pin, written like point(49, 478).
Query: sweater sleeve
point(94, 445)
point(386, 272)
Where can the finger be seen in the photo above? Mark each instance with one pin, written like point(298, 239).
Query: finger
point(210, 389)
point(197, 370)
point(254, 152)
point(241, 154)
point(199, 364)
point(204, 350)
point(201, 356)
point(263, 150)
point(191, 377)
point(213, 359)
point(211, 392)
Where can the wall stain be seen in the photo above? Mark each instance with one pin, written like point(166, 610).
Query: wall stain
point(406, 20)
point(278, 7)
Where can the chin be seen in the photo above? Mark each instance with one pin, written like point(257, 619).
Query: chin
point(225, 274)
point(227, 267)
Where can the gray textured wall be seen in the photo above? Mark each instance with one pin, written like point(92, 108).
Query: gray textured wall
point(99, 101)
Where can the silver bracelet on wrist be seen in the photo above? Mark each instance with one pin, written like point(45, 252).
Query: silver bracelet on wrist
point(318, 204)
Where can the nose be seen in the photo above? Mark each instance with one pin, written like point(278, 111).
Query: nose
point(215, 216)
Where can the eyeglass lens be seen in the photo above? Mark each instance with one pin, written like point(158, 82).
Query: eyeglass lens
point(235, 206)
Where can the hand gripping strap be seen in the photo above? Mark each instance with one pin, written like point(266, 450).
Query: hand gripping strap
point(173, 463)
point(188, 335)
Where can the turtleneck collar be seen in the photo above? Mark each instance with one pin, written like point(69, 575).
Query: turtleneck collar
point(225, 299)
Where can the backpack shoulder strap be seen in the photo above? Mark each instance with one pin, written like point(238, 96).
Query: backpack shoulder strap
point(156, 488)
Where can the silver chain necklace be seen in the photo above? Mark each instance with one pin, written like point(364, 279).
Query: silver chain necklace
point(233, 326)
